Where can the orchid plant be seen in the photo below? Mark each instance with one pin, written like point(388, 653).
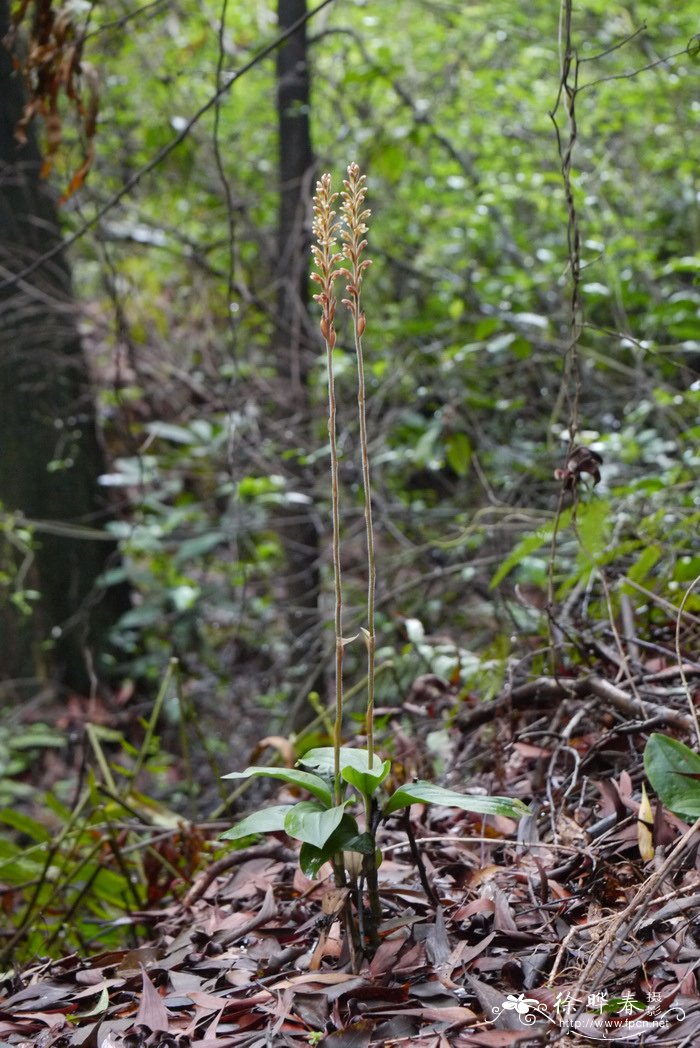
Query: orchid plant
point(349, 801)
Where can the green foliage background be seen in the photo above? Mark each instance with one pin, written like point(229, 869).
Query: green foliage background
point(446, 107)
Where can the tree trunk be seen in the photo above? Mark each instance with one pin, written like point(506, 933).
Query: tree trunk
point(50, 458)
point(294, 345)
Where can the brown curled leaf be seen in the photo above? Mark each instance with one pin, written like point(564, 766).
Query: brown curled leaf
point(581, 459)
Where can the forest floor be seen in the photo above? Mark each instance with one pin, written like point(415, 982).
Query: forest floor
point(553, 929)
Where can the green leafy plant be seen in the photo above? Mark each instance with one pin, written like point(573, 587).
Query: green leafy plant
point(673, 770)
point(339, 825)
point(329, 827)
point(76, 874)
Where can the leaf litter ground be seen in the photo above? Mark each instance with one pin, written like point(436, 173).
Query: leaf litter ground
point(553, 929)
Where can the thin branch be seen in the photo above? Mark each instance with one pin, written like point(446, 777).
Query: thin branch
point(119, 23)
point(615, 47)
point(635, 72)
point(624, 923)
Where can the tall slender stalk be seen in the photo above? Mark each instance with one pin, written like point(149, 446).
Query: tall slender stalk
point(326, 258)
point(354, 214)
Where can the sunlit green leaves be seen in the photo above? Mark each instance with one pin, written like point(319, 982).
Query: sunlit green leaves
point(312, 823)
point(346, 837)
point(365, 781)
point(458, 450)
point(429, 793)
point(313, 783)
point(354, 767)
point(322, 759)
point(527, 545)
point(267, 820)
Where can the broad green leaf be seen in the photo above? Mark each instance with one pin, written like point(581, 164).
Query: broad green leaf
point(643, 564)
point(169, 431)
point(38, 735)
point(345, 838)
point(309, 822)
point(429, 793)
point(25, 824)
point(269, 820)
point(18, 865)
point(686, 568)
point(305, 779)
point(198, 546)
point(458, 451)
point(673, 770)
point(322, 760)
point(593, 523)
point(365, 782)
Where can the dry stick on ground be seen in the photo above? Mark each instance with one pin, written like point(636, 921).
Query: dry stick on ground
point(624, 667)
point(549, 689)
point(273, 850)
point(627, 616)
point(667, 605)
point(623, 924)
point(669, 897)
point(430, 892)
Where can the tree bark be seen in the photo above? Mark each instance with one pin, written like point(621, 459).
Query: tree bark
point(50, 458)
point(294, 340)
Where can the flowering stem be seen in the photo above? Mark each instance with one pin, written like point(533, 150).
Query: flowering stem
point(338, 617)
point(326, 257)
point(370, 636)
point(354, 214)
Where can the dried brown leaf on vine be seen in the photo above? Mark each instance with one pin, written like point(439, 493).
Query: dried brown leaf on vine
point(53, 70)
point(580, 460)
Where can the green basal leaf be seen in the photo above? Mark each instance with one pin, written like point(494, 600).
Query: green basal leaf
point(363, 843)
point(322, 760)
point(269, 820)
point(429, 793)
point(365, 782)
point(305, 779)
point(673, 770)
point(345, 838)
point(312, 859)
point(308, 821)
